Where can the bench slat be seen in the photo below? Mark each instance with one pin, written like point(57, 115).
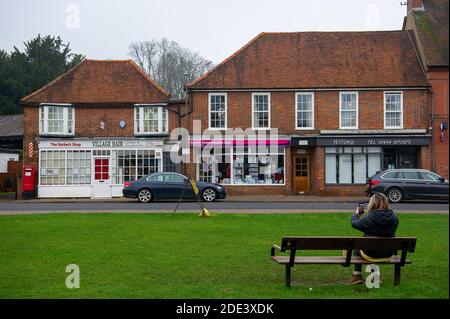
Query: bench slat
point(332, 260)
point(357, 243)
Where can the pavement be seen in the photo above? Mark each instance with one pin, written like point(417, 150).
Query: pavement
point(234, 204)
point(235, 198)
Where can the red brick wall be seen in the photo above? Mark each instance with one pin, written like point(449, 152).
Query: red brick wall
point(30, 132)
point(87, 124)
point(326, 110)
point(439, 86)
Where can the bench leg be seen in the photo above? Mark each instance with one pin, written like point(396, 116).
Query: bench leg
point(397, 272)
point(288, 276)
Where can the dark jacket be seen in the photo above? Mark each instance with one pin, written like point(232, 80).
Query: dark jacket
point(377, 223)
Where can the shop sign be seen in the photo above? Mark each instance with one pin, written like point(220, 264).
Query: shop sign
point(374, 141)
point(96, 144)
point(303, 141)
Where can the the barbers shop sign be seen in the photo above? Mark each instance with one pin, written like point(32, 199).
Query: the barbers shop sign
point(374, 141)
point(99, 143)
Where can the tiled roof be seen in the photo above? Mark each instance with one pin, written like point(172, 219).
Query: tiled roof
point(319, 60)
point(101, 81)
point(431, 26)
point(11, 125)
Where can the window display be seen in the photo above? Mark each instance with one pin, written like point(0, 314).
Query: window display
point(238, 166)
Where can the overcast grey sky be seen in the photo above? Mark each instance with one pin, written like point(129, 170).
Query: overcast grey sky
point(103, 29)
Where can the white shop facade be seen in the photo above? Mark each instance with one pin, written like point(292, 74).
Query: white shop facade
point(98, 168)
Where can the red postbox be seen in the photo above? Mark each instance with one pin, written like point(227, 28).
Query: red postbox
point(28, 188)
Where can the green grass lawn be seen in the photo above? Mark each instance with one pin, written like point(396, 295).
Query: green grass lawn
point(224, 256)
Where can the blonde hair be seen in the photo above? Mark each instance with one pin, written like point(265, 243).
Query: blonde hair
point(378, 201)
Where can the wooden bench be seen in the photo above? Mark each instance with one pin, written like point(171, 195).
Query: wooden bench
point(293, 244)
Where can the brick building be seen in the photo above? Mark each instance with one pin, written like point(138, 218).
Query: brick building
point(427, 21)
point(345, 104)
point(96, 126)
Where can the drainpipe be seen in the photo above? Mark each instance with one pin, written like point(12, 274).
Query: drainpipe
point(186, 78)
point(433, 157)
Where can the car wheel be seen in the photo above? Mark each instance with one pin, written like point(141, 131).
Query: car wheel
point(395, 195)
point(209, 195)
point(145, 195)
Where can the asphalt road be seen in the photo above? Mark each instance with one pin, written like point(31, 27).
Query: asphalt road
point(225, 206)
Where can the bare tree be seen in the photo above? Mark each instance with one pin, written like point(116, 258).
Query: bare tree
point(167, 62)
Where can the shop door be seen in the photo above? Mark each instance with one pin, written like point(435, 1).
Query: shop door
point(301, 174)
point(102, 181)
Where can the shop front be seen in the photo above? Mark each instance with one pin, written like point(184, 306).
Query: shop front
point(242, 165)
point(340, 165)
point(97, 168)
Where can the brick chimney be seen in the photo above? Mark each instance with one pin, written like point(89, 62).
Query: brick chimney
point(415, 4)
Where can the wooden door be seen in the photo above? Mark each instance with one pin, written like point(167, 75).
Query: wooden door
point(301, 174)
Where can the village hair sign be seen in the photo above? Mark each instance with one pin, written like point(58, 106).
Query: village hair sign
point(100, 144)
point(373, 140)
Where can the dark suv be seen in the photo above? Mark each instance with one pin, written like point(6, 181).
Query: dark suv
point(400, 184)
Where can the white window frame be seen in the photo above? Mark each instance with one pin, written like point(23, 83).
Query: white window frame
point(357, 110)
point(43, 110)
point(209, 111)
point(139, 108)
point(401, 109)
point(297, 94)
point(268, 110)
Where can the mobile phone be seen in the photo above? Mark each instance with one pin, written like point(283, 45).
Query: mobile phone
point(361, 208)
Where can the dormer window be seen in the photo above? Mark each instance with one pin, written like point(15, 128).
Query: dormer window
point(150, 119)
point(56, 119)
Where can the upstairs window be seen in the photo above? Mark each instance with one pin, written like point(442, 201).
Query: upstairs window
point(393, 110)
point(56, 120)
point(217, 111)
point(304, 111)
point(261, 110)
point(151, 119)
point(348, 110)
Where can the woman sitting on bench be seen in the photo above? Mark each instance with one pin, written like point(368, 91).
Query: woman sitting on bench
point(379, 222)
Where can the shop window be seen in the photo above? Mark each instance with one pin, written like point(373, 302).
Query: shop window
point(147, 163)
point(217, 111)
point(169, 165)
point(399, 157)
point(151, 120)
point(393, 110)
point(78, 167)
point(348, 110)
point(205, 171)
point(215, 167)
point(56, 120)
point(305, 111)
point(243, 166)
point(129, 165)
point(258, 169)
point(351, 165)
point(261, 110)
point(52, 168)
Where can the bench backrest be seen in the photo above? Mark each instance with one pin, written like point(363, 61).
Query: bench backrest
point(349, 243)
